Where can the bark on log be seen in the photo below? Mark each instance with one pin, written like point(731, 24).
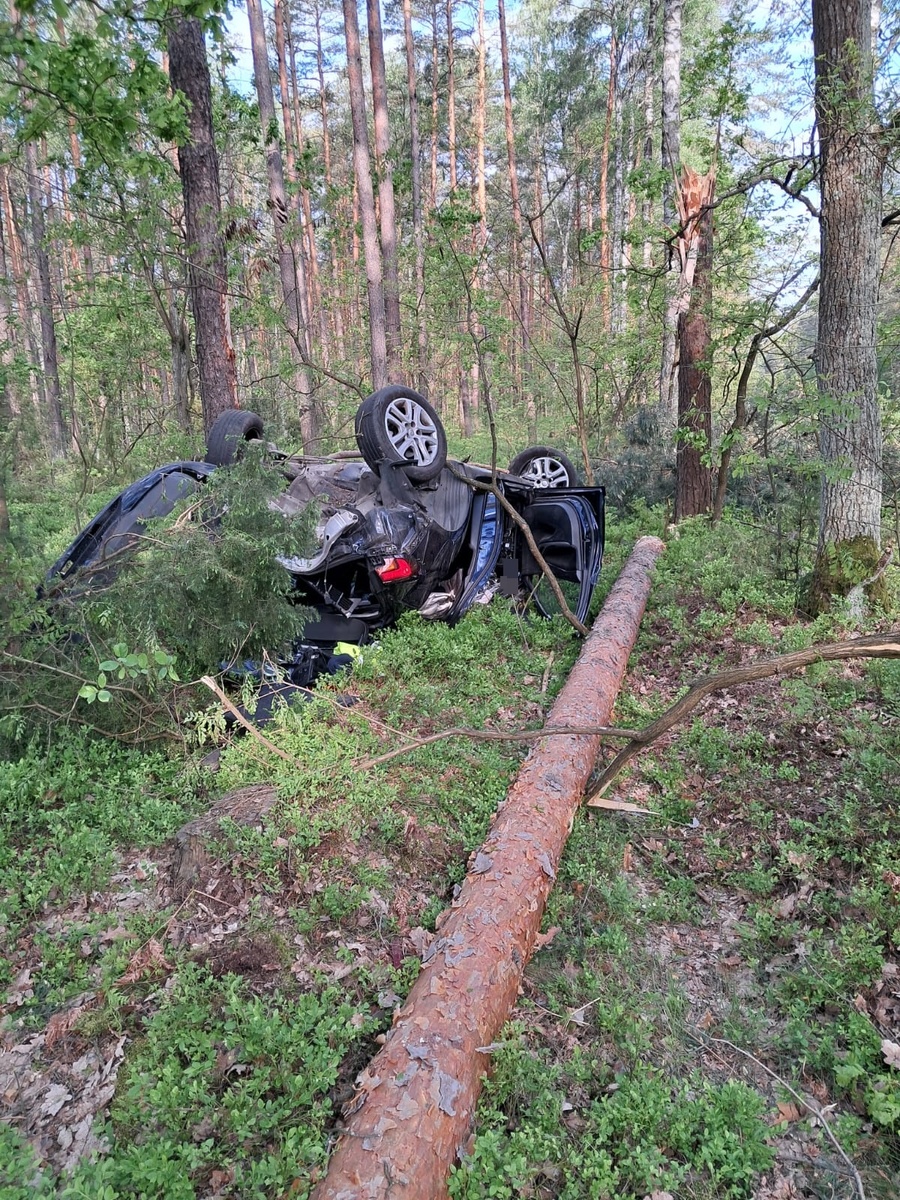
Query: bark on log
point(413, 1108)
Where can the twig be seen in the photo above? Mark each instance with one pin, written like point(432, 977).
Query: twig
point(242, 720)
point(814, 1108)
point(499, 735)
point(875, 645)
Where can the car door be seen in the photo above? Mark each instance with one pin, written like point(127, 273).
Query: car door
point(568, 526)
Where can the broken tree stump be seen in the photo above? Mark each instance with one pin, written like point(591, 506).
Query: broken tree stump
point(414, 1104)
point(191, 859)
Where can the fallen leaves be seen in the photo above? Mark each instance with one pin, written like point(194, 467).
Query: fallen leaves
point(146, 960)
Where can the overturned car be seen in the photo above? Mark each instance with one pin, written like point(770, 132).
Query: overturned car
point(400, 526)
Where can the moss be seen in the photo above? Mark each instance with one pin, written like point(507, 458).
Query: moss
point(839, 568)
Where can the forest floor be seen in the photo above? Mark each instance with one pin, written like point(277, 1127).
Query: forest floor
point(716, 1014)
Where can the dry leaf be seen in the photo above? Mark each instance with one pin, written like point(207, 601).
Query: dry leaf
point(60, 1023)
point(891, 1053)
point(790, 1112)
point(627, 863)
point(706, 1021)
point(145, 960)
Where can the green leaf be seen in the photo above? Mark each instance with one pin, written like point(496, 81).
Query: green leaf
point(101, 680)
point(110, 664)
point(104, 696)
point(88, 692)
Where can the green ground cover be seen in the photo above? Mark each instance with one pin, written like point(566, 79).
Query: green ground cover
point(721, 985)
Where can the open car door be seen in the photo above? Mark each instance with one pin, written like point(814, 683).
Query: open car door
point(568, 528)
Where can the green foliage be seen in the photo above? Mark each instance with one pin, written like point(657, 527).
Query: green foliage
point(219, 1079)
point(202, 587)
point(65, 810)
point(640, 1133)
point(210, 588)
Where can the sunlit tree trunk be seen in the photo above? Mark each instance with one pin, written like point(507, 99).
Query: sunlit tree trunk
point(55, 422)
point(199, 167)
point(385, 172)
point(418, 222)
point(363, 172)
point(605, 252)
point(451, 95)
point(852, 159)
point(524, 315)
point(288, 234)
point(434, 104)
point(23, 298)
point(338, 301)
point(671, 159)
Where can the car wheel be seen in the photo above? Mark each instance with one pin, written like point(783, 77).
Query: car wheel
point(545, 467)
point(230, 430)
point(397, 425)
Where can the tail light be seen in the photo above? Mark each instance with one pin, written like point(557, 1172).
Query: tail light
point(393, 570)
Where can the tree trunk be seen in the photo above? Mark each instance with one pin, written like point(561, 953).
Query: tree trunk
point(524, 315)
point(851, 171)
point(338, 298)
point(55, 422)
point(605, 254)
point(418, 222)
point(693, 478)
point(451, 96)
point(415, 1100)
point(385, 173)
point(208, 272)
point(363, 174)
point(480, 121)
point(671, 160)
point(293, 142)
point(434, 104)
point(288, 235)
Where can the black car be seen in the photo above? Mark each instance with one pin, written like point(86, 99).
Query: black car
point(401, 527)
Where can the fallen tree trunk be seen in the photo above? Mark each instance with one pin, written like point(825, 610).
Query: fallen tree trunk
point(413, 1108)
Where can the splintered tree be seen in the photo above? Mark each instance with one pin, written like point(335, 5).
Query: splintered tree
point(199, 166)
point(851, 170)
point(693, 481)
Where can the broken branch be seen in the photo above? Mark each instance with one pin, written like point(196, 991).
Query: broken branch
point(496, 735)
point(875, 645)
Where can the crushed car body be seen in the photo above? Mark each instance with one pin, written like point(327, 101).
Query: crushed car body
point(399, 528)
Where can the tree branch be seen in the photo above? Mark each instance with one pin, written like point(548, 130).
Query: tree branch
point(875, 645)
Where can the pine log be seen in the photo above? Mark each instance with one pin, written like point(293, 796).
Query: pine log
point(413, 1108)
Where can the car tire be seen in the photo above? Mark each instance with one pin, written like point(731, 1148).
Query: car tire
point(396, 425)
point(230, 430)
point(545, 467)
